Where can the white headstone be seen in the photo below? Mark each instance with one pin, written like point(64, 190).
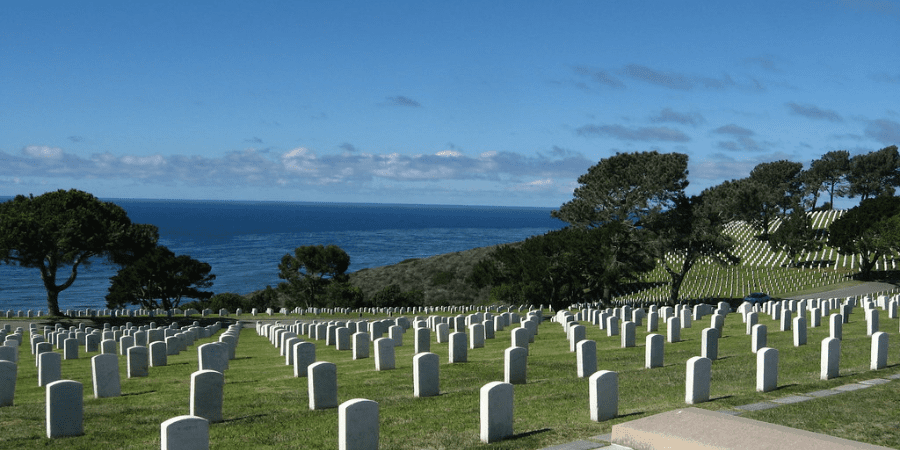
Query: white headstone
point(184, 433)
point(835, 322)
point(305, 355)
point(342, 339)
point(322, 383)
point(70, 349)
point(138, 362)
point(65, 409)
point(49, 368)
point(831, 358)
point(423, 340)
point(758, 338)
point(105, 375)
point(426, 375)
point(653, 354)
point(8, 372)
point(799, 329)
point(360, 346)
point(515, 365)
point(457, 346)
point(709, 343)
point(586, 358)
point(604, 395)
point(652, 322)
point(158, 354)
point(699, 372)
point(879, 352)
point(673, 330)
point(358, 424)
point(576, 334)
point(212, 356)
point(519, 337)
point(628, 334)
point(496, 410)
point(767, 367)
point(384, 354)
point(207, 391)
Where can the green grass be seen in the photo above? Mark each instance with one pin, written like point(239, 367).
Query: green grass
point(266, 407)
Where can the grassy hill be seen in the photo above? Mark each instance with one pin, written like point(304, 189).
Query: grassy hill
point(442, 277)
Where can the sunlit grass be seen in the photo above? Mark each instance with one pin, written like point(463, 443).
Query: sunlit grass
point(266, 407)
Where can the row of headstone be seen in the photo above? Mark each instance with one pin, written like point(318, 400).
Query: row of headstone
point(300, 354)
point(64, 404)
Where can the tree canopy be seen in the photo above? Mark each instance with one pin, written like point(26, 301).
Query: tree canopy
point(310, 270)
point(828, 174)
point(160, 279)
point(63, 229)
point(795, 236)
point(691, 230)
point(868, 230)
point(771, 191)
point(874, 174)
point(627, 187)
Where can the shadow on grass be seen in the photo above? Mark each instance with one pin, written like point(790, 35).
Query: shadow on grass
point(638, 413)
point(721, 398)
point(778, 388)
point(243, 418)
point(137, 393)
point(530, 433)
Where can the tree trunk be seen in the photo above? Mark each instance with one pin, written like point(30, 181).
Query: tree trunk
point(677, 280)
point(53, 302)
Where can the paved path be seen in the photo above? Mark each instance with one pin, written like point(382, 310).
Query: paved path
point(603, 442)
point(852, 291)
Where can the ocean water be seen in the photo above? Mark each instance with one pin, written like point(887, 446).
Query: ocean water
point(244, 241)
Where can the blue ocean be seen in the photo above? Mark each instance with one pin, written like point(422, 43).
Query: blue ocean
point(243, 241)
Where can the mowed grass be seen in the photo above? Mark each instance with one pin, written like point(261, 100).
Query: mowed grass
point(266, 407)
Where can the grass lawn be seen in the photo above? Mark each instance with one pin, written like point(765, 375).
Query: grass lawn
point(266, 407)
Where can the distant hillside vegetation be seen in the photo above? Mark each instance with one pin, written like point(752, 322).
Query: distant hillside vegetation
point(441, 278)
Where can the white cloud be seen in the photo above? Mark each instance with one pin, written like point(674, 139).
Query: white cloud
point(298, 167)
point(42, 151)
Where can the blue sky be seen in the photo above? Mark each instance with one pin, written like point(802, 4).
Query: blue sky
point(463, 102)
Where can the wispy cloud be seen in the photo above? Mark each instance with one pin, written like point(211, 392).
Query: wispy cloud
point(297, 167)
point(741, 142)
point(884, 131)
point(733, 130)
point(600, 77)
point(675, 80)
point(669, 115)
point(767, 63)
point(76, 139)
point(401, 100)
point(254, 140)
point(633, 134)
point(886, 77)
point(813, 112)
point(348, 147)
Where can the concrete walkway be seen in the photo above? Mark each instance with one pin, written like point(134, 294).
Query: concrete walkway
point(852, 291)
point(605, 441)
point(678, 437)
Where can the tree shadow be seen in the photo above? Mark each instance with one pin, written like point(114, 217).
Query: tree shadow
point(137, 393)
point(530, 433)
point(243, 418)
